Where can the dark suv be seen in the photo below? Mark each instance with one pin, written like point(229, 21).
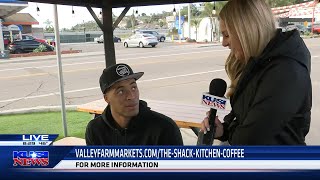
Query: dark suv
point(160, 37)
point(25, 46)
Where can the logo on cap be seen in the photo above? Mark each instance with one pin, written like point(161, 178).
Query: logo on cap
point(122, 70)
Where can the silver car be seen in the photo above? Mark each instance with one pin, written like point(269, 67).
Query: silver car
point(141, 40)
point(160, 37)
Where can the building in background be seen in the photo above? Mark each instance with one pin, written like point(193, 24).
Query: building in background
point(23, 20)
point(299, 13)
point(8, 8)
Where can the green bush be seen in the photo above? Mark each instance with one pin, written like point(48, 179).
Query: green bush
point(191, 40)
point(173, 32)
point(41, 48)
point(307, 33)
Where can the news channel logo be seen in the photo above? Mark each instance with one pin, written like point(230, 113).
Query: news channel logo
point(214, 102)
point(30, 158)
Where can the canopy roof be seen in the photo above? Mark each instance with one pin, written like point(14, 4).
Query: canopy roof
point(8, 8)
point(117, 3)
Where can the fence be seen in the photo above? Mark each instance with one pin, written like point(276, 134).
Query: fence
point(77, 37)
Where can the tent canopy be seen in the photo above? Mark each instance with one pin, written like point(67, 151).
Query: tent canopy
point(8, 8)
point(117, 3)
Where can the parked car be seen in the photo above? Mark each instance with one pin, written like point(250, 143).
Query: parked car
point(302, 29)
point(25, 46)
point(316, 28)
point(100, 39)
point(116, 39)
point(141, 40)
point(29, 37)
point(160, 37)
point(51, 41)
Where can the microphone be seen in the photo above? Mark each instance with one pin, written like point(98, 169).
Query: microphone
point(215, 101)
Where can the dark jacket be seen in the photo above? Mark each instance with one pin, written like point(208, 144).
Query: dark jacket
point(147, 128)
point(272, 101)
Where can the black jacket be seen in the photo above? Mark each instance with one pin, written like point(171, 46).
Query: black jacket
point(147, 128)
point(272, 101)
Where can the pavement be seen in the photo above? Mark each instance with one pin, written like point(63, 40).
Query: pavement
point(86, 54)
point(49, 57)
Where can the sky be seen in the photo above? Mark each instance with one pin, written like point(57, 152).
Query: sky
point(67, 20)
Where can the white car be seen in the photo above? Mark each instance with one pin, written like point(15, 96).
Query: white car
point(141, 40)
point(100, 39)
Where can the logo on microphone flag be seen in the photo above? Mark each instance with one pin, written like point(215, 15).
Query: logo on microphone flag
point(214, 102)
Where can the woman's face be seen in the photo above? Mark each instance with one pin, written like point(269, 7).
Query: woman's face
point(232, 41)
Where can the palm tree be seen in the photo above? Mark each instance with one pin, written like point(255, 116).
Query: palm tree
point(49, 27)
point(47, 23)
point(195, 23)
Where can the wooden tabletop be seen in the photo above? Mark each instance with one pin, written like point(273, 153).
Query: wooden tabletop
point(185, 115)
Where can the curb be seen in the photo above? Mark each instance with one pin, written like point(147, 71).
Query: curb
point(209, 45)
point(37, 110)
point(51, 57)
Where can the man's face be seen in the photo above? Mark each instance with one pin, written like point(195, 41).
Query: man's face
point(123, 98)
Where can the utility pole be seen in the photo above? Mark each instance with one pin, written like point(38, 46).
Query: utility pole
point(1, 37)
point(189, 20)
point(179, 31)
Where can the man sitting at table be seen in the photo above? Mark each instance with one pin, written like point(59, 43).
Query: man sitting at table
point(127, 120)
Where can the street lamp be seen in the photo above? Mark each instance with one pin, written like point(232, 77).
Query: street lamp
point(133, 19)
point(179, 22)
point(174, 12)
point(38, 10)
point(72, 12)
point(214, 8)
point(214, 12)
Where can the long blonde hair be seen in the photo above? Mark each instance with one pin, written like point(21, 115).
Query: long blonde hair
point(252, 21)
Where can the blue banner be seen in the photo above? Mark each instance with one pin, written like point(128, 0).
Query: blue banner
point(27, 139)
point(177, 22)
point(217, 153)
point(13, 1)
point(196, 153)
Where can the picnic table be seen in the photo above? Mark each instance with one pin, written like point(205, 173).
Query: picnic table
point(185, 115)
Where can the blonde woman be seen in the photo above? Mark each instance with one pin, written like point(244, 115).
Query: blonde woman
point(270, 91)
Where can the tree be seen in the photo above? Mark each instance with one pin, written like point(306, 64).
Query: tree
point(128, 23)
point(154, 17)
point(65, 29)
point(48, 27)
point(166, 14)
point(161, 24)
point(194, 11)
point(133, 21)
point(195, 23)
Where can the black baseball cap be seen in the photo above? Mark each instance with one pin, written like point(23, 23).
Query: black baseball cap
point(116, 73)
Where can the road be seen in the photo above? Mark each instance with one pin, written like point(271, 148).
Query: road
point(173, 72)
point(92, 46)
